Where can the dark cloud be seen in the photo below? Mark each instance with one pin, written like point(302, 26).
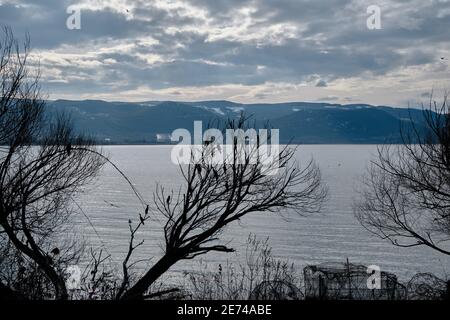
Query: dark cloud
point(243, 42)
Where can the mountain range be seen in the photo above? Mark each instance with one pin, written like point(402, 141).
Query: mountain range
point(299, 122)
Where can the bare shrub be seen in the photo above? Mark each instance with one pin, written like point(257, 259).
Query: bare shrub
point(261, 277)
point(426, 286)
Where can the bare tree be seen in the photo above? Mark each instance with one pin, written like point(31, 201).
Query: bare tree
point(43, 164)
point(219, 193)
point(406, 194)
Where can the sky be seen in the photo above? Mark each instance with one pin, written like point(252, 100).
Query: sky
point(249, 51)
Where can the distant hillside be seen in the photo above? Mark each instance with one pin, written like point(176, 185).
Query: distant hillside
point(299, 122)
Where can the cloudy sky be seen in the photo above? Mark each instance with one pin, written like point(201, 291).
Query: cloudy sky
point(239, 50)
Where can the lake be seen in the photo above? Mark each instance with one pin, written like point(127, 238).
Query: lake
point(330, 236)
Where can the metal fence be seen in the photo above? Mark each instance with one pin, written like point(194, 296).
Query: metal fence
point(346, 281)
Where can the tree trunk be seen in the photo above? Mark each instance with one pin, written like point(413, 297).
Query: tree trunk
point(139, 288)
point(57, 281)
point(7, 294)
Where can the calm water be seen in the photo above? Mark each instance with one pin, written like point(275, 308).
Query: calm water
point(333, 235)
